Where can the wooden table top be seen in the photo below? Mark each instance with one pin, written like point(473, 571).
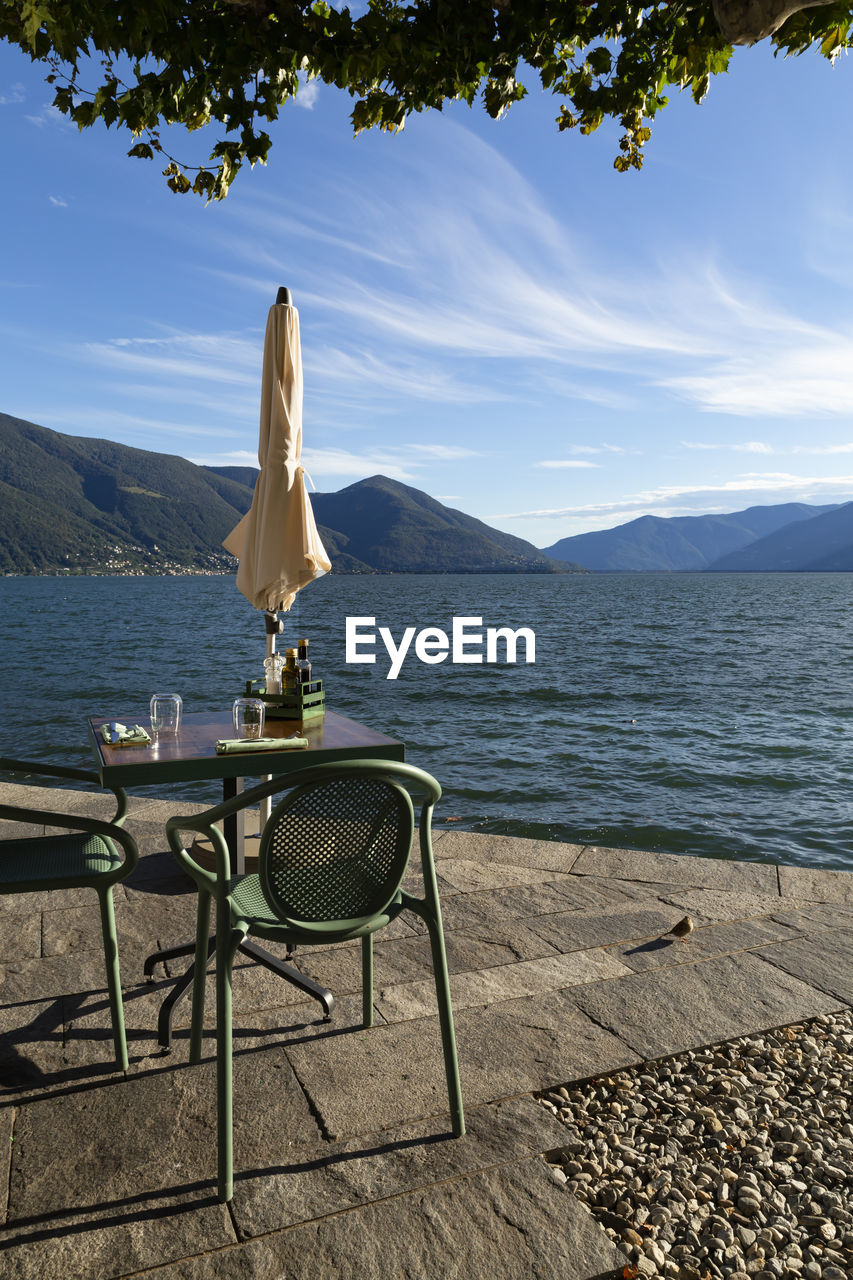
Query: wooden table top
point(191, 755)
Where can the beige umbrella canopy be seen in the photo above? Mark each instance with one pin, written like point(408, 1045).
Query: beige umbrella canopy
point(277, 542)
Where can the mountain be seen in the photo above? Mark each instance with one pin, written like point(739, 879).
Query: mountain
point(67, 502)
point(245, 476)
point(821, 544)
point(666, 544)
point(396, 529)
point(72, 504)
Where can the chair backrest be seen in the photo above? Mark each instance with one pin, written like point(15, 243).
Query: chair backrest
point(336, 850)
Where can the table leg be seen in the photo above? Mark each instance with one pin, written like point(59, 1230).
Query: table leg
point(234, 827)
point(234, 832)
point(164, 1018)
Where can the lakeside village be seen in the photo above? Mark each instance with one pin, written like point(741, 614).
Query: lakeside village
point(134, 562)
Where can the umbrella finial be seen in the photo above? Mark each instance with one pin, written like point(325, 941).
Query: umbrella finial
point(283, 297)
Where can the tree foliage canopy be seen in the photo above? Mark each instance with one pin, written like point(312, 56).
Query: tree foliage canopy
point(236, 63)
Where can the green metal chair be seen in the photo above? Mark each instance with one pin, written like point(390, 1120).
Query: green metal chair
point(331, 860)
point(85, 858)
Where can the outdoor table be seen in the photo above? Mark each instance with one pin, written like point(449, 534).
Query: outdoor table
point(190, 756)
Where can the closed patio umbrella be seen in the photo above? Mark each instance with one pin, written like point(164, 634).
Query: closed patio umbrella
point(277, 542)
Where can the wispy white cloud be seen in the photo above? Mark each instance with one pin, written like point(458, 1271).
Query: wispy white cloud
point(686, 499)
point(208, 357)
point(401, 463)
point(15, 93)
point(746, 446)
point(827, 449)
point(783, 373)
point(601, 448)
point(361, 372)
point(51, 117)
point(127, 428)
point(309, 91)
point(58, 201)
point(444, 452)
point(555, 464)
point(753, 446)
point(340, 463)
point(482, 272)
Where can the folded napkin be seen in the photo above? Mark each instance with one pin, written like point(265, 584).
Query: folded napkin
point(118, 735)
point(226, 745)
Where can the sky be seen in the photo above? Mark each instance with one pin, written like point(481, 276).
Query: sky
point(489, 311)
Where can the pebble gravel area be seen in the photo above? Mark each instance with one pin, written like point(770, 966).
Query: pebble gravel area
point(733, 1161)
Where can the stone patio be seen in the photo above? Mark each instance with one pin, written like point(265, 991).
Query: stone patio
point(345, 1163)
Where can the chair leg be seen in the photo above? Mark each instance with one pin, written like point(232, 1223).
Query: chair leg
point(367, 980)
point(445, 1018)
point(227, 942)
point(202, 952)
point(108, 929)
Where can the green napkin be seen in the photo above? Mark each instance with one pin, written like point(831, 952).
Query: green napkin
point(118, 735)
point(225, 745)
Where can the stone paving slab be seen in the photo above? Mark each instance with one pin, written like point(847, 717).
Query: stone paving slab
point(573, 932)
point(395, 1074)
point(816, 886)
point(599, 893)
point(55, 799)
point(389, 1162)
point(475, 846)
point(711, 906)
point(675, 868)
point(703, 943)
point(471, 910)
point(509, 939)
point(20, 935)
point(815, 916)
point(824, 961)
point(468, 877)
point(31, 1044)
point(667, 1010)
point(151, 1135)
point(39, 979)
point(513, 1221)
point(115, 1241)
point(481, 948)
point(502, 982)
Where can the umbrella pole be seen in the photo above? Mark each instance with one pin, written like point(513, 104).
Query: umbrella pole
point(274, 627)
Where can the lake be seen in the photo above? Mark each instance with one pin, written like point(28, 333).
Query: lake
point(686, 713)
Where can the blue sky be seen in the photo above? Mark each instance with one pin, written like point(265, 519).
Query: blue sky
point(489, 311)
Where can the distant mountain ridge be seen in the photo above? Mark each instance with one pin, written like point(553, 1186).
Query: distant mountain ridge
point(80, 505)
point(397, 529)
point(759, 539)
point(821, 544)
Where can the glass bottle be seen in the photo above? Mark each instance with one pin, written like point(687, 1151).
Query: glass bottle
point(303, 663)
point(291, 676)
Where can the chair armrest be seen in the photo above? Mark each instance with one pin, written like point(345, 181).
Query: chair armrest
point(76, 822)
point(200, 822)
point(38, 767)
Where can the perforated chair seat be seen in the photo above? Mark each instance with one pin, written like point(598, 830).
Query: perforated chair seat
point(249, 903)
point(62, 861)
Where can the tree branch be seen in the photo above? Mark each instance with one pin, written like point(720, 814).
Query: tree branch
point(748, 21)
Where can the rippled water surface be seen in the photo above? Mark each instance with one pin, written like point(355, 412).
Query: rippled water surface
point(686, 713)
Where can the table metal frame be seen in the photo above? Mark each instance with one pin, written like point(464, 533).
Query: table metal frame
point(191, 756)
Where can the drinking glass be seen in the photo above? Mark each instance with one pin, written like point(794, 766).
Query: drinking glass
point(248, 714)
point(166, 711)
